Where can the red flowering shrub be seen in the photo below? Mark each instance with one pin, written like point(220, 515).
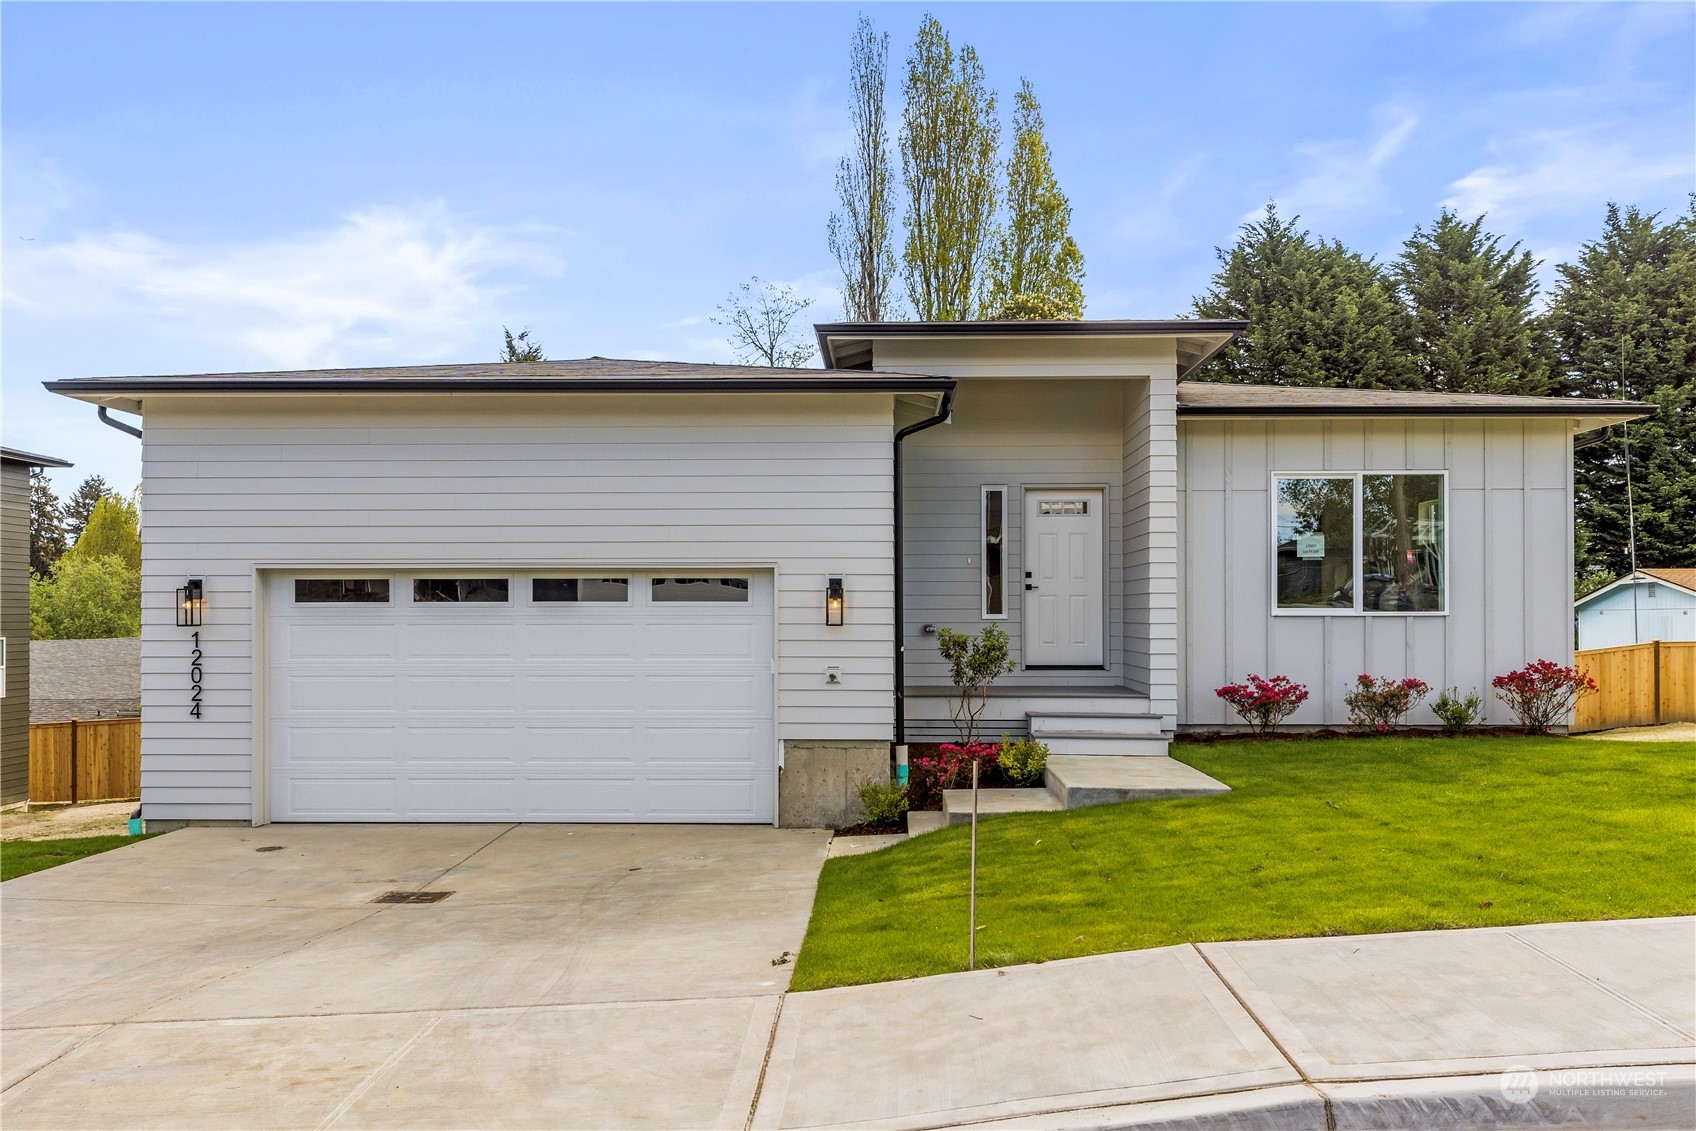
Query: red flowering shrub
point(949, 768)
point(1542, 692)
point(1264, 703)
point(1379, 704)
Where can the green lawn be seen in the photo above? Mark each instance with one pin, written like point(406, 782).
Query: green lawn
point(21, 857)
point(1319, 837)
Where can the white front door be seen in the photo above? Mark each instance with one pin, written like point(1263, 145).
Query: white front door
point(1063, 578)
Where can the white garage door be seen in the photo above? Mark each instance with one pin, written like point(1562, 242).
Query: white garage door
point(469, 696)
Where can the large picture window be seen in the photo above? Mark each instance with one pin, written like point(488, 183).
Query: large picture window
point(1363, 543)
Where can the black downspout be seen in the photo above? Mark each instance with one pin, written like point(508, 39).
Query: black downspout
point(118, 424)
point(943, 409)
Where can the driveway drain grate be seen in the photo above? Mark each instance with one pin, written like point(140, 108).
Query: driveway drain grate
point(412, 897)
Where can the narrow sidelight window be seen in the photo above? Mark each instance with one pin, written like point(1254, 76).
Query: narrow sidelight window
point(468, 590)
point(1403, 530)
point(994, 552)
point(1315, 543)
point(340, 591)
point(700, 590)
point(584, 590)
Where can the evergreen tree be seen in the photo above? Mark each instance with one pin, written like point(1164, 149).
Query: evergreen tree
point(860, 233)
point(1470, 300)
point(1035, 259)
point(1623, 320)
point(81, 504)
point(46, 523)
point(1318, 313)
point(114, 528)
point(521, 348)
point(949, 140)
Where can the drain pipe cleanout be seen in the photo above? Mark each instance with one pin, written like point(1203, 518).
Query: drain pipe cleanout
point(118, 424)
point(944, 409)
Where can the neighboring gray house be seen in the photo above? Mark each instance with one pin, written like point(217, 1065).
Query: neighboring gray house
point(1652, 604)
point(14, 620)
point(85, 679)
point(641, 591)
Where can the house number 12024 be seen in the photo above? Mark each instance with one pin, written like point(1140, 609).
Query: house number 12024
point(194, 678)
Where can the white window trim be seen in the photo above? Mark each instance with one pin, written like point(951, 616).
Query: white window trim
point(1358, 549)
point(983, 542)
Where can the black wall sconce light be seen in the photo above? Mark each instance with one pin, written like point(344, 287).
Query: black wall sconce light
point(833, 603)
point(191, 603)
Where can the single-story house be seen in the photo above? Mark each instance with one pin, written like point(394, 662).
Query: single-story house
point(1651, 604)
point(604, 590)
point(85, 679)
point(14, 620)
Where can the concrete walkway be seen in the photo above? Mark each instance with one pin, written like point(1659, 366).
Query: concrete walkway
point(634, 977)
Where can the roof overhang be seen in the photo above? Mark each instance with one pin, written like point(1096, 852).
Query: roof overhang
point(851, 345)
point(1641, 577)
point(1210, 399)
point(14, 455)
point(589, 376)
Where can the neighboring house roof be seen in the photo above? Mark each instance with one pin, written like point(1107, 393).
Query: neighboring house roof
point(1684, 579)
point(1209, 398)
point(84, 679)
point(584, 375)
point(849, 344)
point(13, 455)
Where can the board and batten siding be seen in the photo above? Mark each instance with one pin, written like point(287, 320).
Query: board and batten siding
point(1509, 560)
point(14, 626)
point(1015, 434)
point(234, 486)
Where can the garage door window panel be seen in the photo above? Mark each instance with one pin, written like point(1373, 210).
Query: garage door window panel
point(341, 591)
point(700, 590)
point(580, 590)
point(460, 590)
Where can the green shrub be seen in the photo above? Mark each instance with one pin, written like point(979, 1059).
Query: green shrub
point(1022, 759)
point(1457, 712)
point(885, 802)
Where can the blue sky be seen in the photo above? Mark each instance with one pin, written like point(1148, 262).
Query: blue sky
point(202, 187)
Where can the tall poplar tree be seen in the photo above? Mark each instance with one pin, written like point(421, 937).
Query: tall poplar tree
point(950, 138)
point(1474, 330)
point(1623, 320)
point(860, 232)
point(1318, 313)
point(1036, 269)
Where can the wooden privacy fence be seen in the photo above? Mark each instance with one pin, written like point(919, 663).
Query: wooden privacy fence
point(1640, 685)
point(85, 761)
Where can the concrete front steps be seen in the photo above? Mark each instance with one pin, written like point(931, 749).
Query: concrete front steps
point(1073, 782)
point(1140, 733)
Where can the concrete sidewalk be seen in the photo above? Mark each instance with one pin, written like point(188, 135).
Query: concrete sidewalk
point(1402, 1030)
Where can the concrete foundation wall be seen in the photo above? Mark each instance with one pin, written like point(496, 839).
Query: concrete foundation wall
point(818, 785)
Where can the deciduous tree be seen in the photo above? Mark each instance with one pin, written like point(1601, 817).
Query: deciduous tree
point(81, 504)
point(84, 597)
point(114, 528)
point(950, 138)
point(1035, 265)
point(759, 320)
point(860, 233)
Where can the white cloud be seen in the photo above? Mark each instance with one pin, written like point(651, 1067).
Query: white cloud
point(1566, 171)
point(1346, 177)
point(387, 285)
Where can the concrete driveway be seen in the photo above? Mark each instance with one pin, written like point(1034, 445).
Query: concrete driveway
point(578, 976)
